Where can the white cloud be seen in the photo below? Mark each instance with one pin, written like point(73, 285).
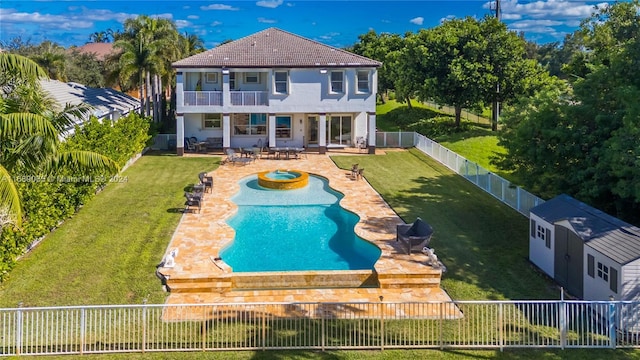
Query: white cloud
point(219, 7)
point(448, 17)
point(563, 9)
point(55, 22)
point(216, 23)
point(269, 3)
point(266, 21)
point(193, 17)
point(328, 37)
point(418, 20)
point(183, 23)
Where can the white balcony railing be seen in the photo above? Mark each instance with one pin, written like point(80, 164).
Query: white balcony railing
point(249, 98)
point(203, 98)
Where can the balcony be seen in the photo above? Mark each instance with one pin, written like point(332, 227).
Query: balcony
point(249, 98)
point(203, 98)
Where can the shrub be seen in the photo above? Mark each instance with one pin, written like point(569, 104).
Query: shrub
point(49, 200)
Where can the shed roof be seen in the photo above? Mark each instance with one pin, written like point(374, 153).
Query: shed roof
point(604, 233)
point(275, 48)
point(103, 100)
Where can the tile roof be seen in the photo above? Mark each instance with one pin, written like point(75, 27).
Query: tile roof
point(275, 48)
point(99, 50)
point(606, 234)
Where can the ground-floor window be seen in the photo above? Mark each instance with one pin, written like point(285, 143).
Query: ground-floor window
point(283, 127)
point(212, 121)
point(249, 124)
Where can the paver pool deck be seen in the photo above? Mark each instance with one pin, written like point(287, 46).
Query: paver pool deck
point(201, 236)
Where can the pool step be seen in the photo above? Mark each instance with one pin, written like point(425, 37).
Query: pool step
point(304, 280)
point(398, 280)
point(196, 285)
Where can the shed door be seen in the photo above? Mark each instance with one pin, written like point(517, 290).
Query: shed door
point(568, 261)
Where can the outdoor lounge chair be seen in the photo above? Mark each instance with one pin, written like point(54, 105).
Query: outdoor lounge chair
point(207, 181)
point(416, 235)
point(194, 200)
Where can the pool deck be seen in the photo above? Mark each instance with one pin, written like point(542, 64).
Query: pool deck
point(200, 237)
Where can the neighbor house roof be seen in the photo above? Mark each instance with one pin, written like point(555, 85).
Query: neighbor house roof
point(100, 50)
point(275, 48)
point(608, 235)
point(103, 100)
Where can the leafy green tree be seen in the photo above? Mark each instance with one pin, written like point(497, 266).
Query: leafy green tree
point(384, 48)
point(584, 142)
point(85, 69)
point(51, 57)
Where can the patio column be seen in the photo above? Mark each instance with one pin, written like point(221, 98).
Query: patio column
point(179, 134)
point(371, 141)
point(271, 124)
point(226, 131)
point(322, 134)
point(226, 90)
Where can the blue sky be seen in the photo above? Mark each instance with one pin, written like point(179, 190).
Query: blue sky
point(337, 22)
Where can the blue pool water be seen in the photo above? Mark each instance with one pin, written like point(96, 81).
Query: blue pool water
point(295, 230)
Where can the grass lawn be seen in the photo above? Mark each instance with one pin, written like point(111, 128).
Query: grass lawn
point(478, 144)
point(515, 354)
point(483, 243)
point(107, 253)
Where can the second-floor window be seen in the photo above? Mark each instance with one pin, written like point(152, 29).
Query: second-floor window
point(249, 124)
point(212, 121)
point(363, 81)
point(337, 82)
point(251, 78)
point(281, 82)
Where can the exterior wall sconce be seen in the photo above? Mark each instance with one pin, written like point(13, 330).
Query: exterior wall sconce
point(323, 71)
point(225, 71)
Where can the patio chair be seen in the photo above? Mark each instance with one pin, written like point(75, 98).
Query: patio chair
point(257, 153)
point(416, 235)
point(354, 171)
point(207, 181)
point(360, 173)
point(361, 143)
point(194, 200)
point(189, 145)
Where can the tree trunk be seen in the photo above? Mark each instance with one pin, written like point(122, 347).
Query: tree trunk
point(147, 97)
point(154, 97)
point(458, 110)
point(141, 94)
point(495, 114)
point(408, 99)
point(161, 97)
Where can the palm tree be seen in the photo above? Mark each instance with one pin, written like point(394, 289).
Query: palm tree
point(148, 46)
point(29, 141)
point(52, 59)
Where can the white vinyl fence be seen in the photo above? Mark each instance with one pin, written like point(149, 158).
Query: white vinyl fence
point(321, 326)
point(503, 190)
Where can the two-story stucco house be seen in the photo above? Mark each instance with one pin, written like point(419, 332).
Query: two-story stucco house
point(277, 89)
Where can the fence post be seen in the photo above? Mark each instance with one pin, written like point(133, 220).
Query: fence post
point(381, 323)
point(322, 328)
point(264, 328)
point(19, 330)
point(562, 316)
point(441, 321)
point(83, 330)
point(205, 327)
point(501, 326)
point(477, 174)
point(144, 325)
point(612, 323)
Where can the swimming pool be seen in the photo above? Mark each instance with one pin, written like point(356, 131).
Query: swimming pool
point(295, 230)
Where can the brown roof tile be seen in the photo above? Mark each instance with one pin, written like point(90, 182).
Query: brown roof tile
point(275, 48)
